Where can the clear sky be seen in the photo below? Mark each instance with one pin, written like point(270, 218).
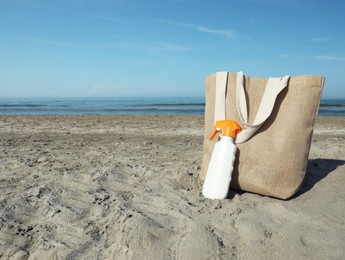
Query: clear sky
point(103, 48)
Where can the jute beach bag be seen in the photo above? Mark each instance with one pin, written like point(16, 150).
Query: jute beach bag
point(277, 116)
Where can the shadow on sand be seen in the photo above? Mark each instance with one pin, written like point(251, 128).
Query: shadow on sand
point(317, 169)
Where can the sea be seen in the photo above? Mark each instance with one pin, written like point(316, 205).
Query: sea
point(128, 106)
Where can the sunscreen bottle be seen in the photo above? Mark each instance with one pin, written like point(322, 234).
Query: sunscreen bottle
point(218, 176)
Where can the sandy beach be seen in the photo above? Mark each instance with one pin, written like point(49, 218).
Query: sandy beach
point(127, 187)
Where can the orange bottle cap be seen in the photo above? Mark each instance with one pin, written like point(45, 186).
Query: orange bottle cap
point(228, 128)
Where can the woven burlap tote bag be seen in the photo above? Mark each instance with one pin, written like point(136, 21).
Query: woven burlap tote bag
point(277, 116)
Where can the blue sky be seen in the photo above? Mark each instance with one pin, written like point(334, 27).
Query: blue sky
point(103, 48)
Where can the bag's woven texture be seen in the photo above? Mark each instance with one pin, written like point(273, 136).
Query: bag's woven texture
point(273, 162)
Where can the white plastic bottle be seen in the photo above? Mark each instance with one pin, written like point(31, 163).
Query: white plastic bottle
point(218, 177)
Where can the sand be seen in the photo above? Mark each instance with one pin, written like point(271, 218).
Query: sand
point(126, 187)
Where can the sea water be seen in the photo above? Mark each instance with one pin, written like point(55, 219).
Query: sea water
point(128, 106)
point(332, 107)
point(102, 106)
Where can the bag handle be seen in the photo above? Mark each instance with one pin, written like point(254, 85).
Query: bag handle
point(221, 82)
point(273, 88)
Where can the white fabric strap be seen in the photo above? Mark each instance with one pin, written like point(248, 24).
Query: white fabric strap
point(273, 88)
point(221, 82)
